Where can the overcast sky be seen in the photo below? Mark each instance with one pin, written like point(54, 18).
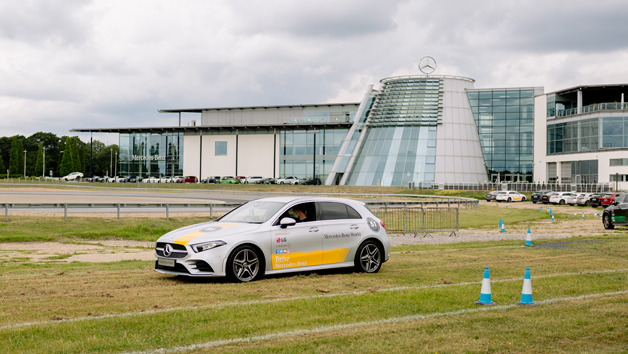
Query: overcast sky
point(89, 64)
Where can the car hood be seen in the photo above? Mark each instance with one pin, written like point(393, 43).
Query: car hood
point(206, 232)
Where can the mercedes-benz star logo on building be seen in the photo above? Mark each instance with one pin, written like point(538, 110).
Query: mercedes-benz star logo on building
point(167, 250)
point(427, 65)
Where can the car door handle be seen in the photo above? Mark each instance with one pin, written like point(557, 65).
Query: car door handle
point(354, 227)
point(313, 229)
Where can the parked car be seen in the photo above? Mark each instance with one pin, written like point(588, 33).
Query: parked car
point(269, 181)
point(538, 195)
point(253, 180)
point(545, 198)
point(228, 180)
point(584, 199)
point(596, 200)
point(314, 181)
point(118, 179)
point(490, 195)
point(211, 179)
point(608, 199)
point(510, 196)
point(571, 199)
point(616, 213)
point(240, 179)
point(73, 177)
point(287, 180)
point(187, 179)
point(237, 245)
point(560, 198)
point(151, 179)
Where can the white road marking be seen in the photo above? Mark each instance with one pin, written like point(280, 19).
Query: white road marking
point(218, 343)
point(258, 302)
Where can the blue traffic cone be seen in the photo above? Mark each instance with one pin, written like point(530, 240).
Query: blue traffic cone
point(485, 293)
point(503, 228)
point(541, 209)
point(506, 204)
point(526, 291)
point(552, 217)
point(574, 214)
point(529, 239)
point(583, 215)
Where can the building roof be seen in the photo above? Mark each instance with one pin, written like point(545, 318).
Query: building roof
point(200, 110)
point(584, 87)
point(217, 128)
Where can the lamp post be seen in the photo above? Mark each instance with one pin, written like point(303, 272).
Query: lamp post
point(43, 167)
point(116, 165)
point(111, 160)
point(24, 165)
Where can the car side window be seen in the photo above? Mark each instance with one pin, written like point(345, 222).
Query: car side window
point(303, 212)
point(333, 211)
point(353, 214)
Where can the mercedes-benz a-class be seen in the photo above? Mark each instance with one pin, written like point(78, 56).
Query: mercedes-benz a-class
point(277, 235)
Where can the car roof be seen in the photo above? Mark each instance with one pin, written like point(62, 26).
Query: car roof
point(290, 199)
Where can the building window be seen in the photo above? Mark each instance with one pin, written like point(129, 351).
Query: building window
point(221, 148)
point(619, 162)
point(618, 178)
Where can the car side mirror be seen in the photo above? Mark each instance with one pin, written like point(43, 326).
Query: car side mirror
point(285, 222)
point(615, 202)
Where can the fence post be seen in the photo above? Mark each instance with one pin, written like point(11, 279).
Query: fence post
point(118, 207)
point(6, 212)
point(167, 212)
point(457, 219)
point(405, 216)
point(65, 211)
point(211, 211)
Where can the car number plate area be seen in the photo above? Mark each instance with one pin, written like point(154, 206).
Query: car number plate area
point(165, 262)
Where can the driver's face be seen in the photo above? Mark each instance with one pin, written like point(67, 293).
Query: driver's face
point(300, 214)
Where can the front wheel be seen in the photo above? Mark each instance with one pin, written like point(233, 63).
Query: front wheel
point(607, 222)
point(562, 202)
point(244, 265)
point(523, 199)
point(587, 203)
point(368, 258)
point(509, 200)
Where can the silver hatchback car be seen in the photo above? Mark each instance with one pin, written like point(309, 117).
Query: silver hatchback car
point(277, 235)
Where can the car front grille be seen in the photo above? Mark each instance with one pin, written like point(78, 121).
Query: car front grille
point(178, 251)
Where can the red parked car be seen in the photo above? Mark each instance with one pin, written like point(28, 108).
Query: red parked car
point(608, 199)
point(188, 179)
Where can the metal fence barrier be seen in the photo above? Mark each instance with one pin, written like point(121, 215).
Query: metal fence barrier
point(418, 220)
point(113, 206)
point(520, 186)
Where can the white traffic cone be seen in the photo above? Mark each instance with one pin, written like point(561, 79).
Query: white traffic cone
point(485, 293)
point(583, 215)
point(529, 239)
point(552, 217)
point(503, 228)
point(526, 291)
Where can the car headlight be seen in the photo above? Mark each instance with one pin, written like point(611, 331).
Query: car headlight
point(207, 246)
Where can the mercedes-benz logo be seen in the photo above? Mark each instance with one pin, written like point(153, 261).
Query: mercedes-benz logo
point(427, 65)
point(167, 250)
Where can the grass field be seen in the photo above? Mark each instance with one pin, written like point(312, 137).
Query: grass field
point(421, 301)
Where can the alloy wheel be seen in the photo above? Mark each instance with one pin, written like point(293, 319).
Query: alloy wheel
point(370, 258)
point(245, 265)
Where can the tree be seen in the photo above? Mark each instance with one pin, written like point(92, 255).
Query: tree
point(39, 164)
point(76, 161)
point(3, 169)
point(20, 159)
point(66, 167)
point(14, 163)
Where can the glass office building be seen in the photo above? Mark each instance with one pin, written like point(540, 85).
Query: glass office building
point(309, 153)
point(151, 154)
point(505, 123)
point(400, 144)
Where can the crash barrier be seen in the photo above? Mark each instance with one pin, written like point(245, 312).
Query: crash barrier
point(519, 187)
point(114, 207)
point(420, 220)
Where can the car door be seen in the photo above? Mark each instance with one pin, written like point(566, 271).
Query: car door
point(621, 209)
point(299, 245)
point(343, 228)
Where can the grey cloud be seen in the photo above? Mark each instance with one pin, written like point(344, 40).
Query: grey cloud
point(33, 21)
point(328, 19)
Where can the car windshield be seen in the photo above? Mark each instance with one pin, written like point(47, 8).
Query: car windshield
point(255, 212)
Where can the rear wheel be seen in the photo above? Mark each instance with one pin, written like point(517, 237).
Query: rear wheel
point(607, 222)
point(587, 203)
point(368, 258)
point(245, 264)
point(509, 199)
point(562, 202)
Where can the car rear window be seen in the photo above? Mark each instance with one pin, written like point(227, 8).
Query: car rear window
point(336, 211)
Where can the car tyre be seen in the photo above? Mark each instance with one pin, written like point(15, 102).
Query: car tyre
point(509, 200)
point(369, 257)
point(245, 264)
point(608, 225)
point(587, 203)
point(533, 202)
point(523, 199)
point(562, 202)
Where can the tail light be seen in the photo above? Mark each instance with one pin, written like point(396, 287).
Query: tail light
point(382, 223)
